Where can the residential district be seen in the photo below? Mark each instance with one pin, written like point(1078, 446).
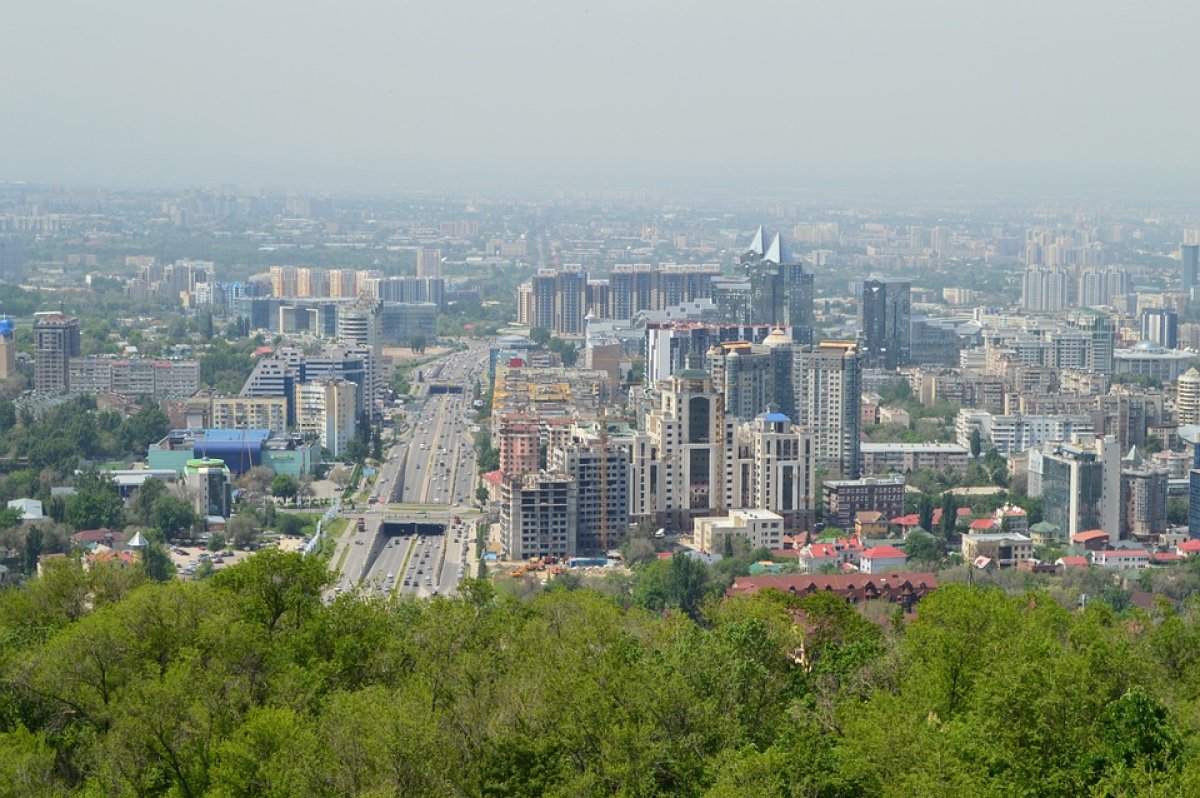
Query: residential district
point(422, 393)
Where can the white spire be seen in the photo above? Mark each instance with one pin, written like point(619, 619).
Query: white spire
point(778, 252)
point(756, 246)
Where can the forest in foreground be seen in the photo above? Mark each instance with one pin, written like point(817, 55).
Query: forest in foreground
point(247, 684)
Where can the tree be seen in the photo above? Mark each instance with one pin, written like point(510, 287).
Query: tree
point(1177, 510)
point(96, 503)
point(949, 514)
point(284, 487)
point(288, 524)
point(141, 505)
point(922, 546)
point(174, 517)
point(31, 550)
point(925, 512)
point(242, 530)
point(481, 494)
point(276, 588)
point(417, 344)
point(976, 443)
point(156, 562)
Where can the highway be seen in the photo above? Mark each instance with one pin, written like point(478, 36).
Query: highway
point(430, 476)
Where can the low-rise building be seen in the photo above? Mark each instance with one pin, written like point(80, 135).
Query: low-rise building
point(1121, 559)
point(882, 560)
point(905, 589)
point(904, 458)
point(846, 497)
point(1003, 549)
point(759, 528)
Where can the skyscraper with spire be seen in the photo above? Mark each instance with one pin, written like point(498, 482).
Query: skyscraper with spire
point(781, 291)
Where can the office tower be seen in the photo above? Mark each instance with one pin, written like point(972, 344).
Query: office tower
point(326, 411)
point(539, 513)
point(1098, 287)
point(1161, 325)
point(781, 292)
point(8, 350)
point(885, 323)
point(1190, 274)
point(520, 447)
point(55, 342)
point(207, 481)
point(429, 262)
point(602, 492)
point(827, 380)
point(1043, 290)
point(1143, 498)
point(1079, 483)
point(1187, 398)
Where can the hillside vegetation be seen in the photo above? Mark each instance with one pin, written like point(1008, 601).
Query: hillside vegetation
point(246, 684)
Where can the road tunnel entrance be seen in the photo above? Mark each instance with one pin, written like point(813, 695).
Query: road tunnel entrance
point(403, 528)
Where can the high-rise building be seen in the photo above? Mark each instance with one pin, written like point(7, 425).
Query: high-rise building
point(343, 283)
point(602, 492)
point(685, 466)
point(1143, 498)
point(539, 513)
point(1161, 325)
point(1099, 332)
point(1098, 287)
point(781, 291)
point(778, 469)
point(1079, 483)
point(885, 323)
point(1190, 273)
point(12, 255)
point(1187, 398)
point(359, 327)
point(1043, 290)
point(520, 447)
point(429, 262)
point(55, 342)
point(8, 350)
point(326, 410)
point(570, 301)
point(827, 380)
point(283, 281)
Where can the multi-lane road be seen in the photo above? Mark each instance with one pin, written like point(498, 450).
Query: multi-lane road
point(409, 543)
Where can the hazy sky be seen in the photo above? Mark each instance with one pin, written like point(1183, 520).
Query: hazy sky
point(371, 94)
